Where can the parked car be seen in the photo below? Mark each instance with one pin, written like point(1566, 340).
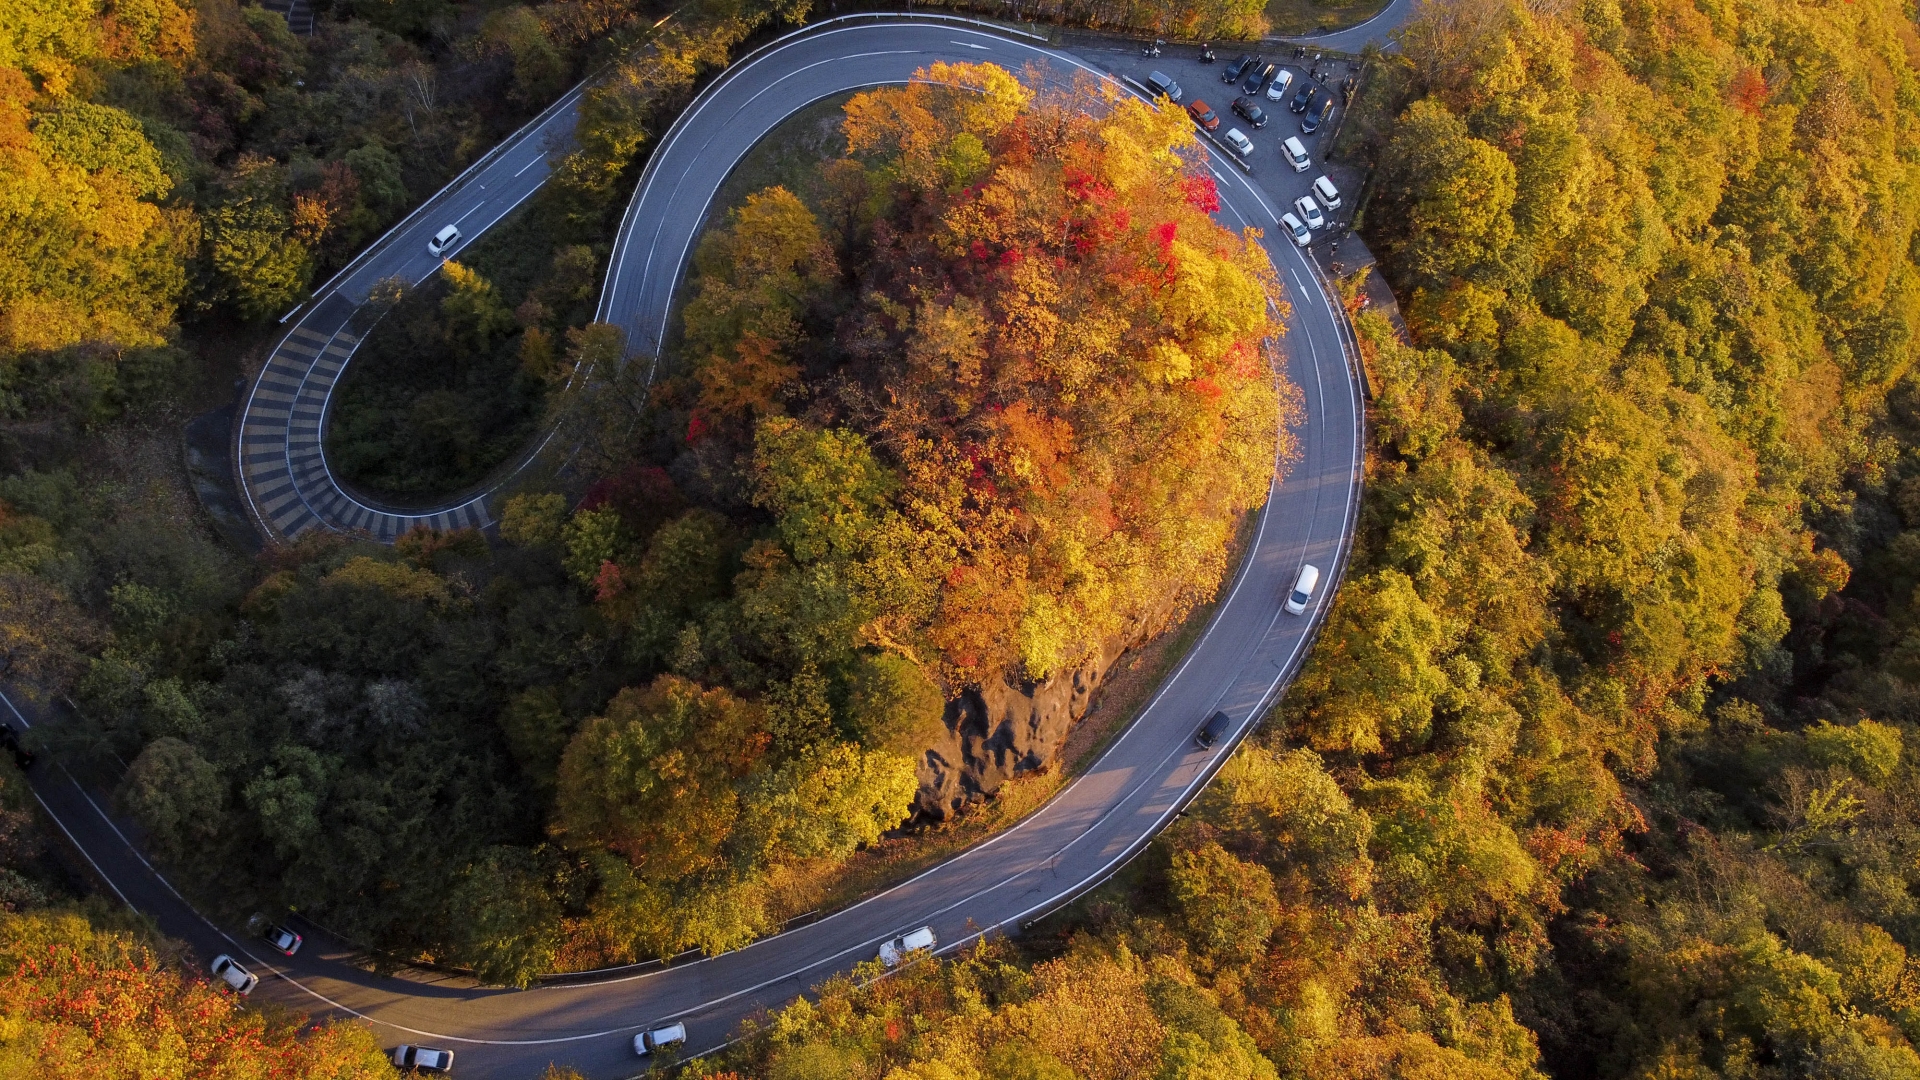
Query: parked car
point(1251, 113)
point(1239, 141)
point(1328, 195)
point(1203, 114)
point(1238, 68)
point(1259, 81)
point(236, 978)
point(1302, 99)
point(1302, 236)
point(1310, 212)
point(442, 241)
point(1211, 731)
point(1162, 86)
point(1311, 122)
point(646, 1042)
point(422, 1059)
point(1295, 152)
point(1277, 89)
point(1303, 589)
point(894, 952)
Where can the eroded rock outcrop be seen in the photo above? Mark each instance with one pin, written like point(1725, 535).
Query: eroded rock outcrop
point(1007, 727)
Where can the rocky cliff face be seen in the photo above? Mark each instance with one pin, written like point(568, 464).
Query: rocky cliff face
point(1004, 728)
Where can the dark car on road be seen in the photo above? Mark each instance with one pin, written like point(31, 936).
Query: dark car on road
point(1246, 63)
point(1203, 114)
point(1302, 99)
point(1311, 122)
point(1211, 731)
point(10, 742)
point(1251, 113)
point(1259, 81)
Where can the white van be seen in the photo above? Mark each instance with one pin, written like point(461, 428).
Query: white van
point(1295, 153)
point(1303, 589)
point(894, 951)
point(646, 1042)
point(443, 240)
point(1328, 195)
point(1239, 141)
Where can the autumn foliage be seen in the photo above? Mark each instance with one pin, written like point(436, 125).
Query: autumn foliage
point(78, 1003)
point(1060, 356)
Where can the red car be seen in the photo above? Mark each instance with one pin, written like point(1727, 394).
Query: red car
point(1203, 115)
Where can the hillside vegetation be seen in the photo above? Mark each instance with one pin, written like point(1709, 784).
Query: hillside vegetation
point(1001, 397)
point(1603, 765)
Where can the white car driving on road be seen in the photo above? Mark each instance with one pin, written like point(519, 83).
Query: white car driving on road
point(442, 241)
point(233, 976)
point(893, 952)
point(1303, 589)
point(646, 1042)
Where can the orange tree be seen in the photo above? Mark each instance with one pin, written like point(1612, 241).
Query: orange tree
point(1056, 351)
point(80, 1002)
point(989, 398)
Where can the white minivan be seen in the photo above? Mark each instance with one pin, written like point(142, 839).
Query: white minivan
point(1303, 589)
point(646, 1042)
point(1296, 154)
point(443, 240)
point(894, 951)
point(1239, 141)
point(1324, 190)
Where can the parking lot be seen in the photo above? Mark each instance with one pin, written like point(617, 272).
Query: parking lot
point(1269, 168)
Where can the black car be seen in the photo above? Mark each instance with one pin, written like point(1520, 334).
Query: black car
point(10, 741)
point(1262, 78)
point(1210, 732)
point(1238, 68)
point(1302, 99)
point(1311, 122)
point(1251, 113)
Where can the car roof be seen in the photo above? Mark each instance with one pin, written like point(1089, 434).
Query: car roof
point(1295, 145)
point(1289, 220)
point(446, 232)
point(1323, 183)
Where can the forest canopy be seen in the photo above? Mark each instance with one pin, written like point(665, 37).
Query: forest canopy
point(994, 395)
point(1603, 763)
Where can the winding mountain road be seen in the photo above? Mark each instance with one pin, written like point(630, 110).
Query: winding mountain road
point(1240, 664)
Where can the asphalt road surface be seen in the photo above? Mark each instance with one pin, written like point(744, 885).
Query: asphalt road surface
point(281, 465)
point(1240, 664)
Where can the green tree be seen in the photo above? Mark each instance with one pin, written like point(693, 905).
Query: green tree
point(508, 926)
point(655, 776)
point(178, 797)
point(1229, 906)
point(257, 263)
